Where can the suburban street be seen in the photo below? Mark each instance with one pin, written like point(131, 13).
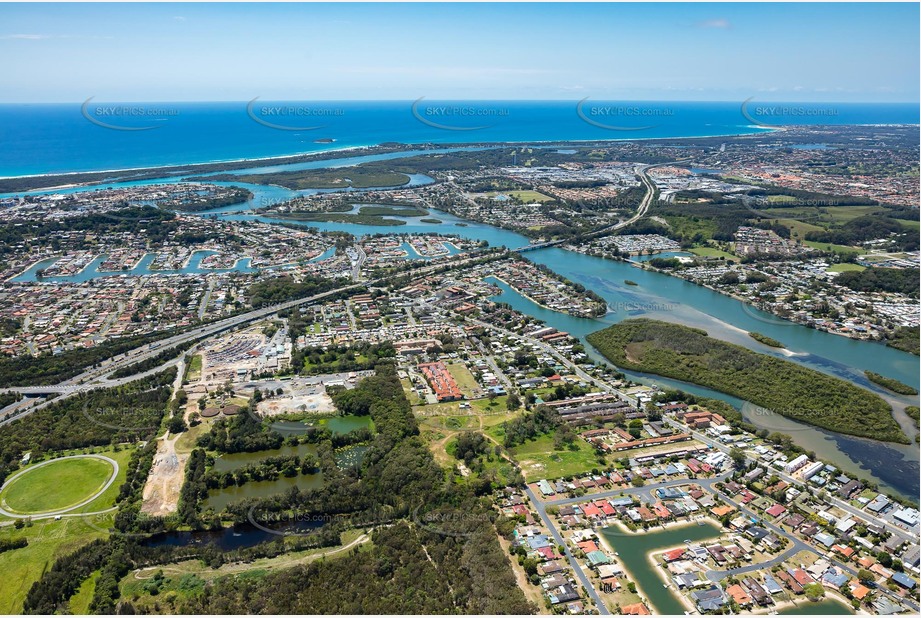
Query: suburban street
point(558, 539)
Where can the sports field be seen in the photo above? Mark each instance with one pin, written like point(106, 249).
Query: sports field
point(54, 486)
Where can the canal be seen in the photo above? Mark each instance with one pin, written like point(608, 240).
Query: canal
point(634, 551)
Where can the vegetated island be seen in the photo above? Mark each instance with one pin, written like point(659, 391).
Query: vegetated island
point(629, 282)
point(803, 394)
point(366, 215)
point(335, 178)
point(228, 196)
point(914, 413)
point(889, 383)
point(765, 340)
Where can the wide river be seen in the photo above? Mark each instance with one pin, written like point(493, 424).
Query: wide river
point(663, 297)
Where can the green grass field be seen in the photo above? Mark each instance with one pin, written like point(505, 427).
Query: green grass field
point(844, 267)
point(525, 195)
point(824, 246)
point(56, 485)
point(80, 602)
point(48, 541)
point(713, 252)
point(193, 373)
point(843, 214)
point(689, 226)
point(538, 460)
point(799, 229)
point(464, 379)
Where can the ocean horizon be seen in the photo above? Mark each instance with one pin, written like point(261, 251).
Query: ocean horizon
point(56, 138)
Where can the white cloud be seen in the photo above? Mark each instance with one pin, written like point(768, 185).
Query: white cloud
point(25, 37)
point(720, 23)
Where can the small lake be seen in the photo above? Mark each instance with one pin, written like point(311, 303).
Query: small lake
point(336, 424)
point(345, 424)
point(351, 456)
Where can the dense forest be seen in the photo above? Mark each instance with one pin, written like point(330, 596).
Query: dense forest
point(901, 280)
point(906, 338)
point(409, 570)
point(785, 387)
point(240, 434)
point(893, 385)
point(284, 288)
point(358, 177)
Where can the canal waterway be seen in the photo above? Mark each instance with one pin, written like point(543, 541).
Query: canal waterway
point(634, 550)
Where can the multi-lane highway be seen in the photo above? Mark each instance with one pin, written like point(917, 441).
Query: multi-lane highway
point(641, 171)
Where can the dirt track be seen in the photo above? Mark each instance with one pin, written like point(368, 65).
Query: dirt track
point(161, 493)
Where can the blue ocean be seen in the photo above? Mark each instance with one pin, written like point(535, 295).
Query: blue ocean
point(95, 135)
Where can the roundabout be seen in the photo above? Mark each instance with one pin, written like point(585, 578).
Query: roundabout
point(57, 486)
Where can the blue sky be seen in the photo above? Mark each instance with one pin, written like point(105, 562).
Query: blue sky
point(235, 52)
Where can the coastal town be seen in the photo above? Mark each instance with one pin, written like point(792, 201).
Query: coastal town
point(607, 491)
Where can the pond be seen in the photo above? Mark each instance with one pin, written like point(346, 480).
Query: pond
point(219, 499)
point(232, 461)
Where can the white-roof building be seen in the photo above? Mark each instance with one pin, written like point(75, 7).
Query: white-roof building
point(796, 464)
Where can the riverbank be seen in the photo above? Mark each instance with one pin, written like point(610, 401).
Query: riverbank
point(855, 336)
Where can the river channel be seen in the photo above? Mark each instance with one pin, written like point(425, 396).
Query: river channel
point(660, 296)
